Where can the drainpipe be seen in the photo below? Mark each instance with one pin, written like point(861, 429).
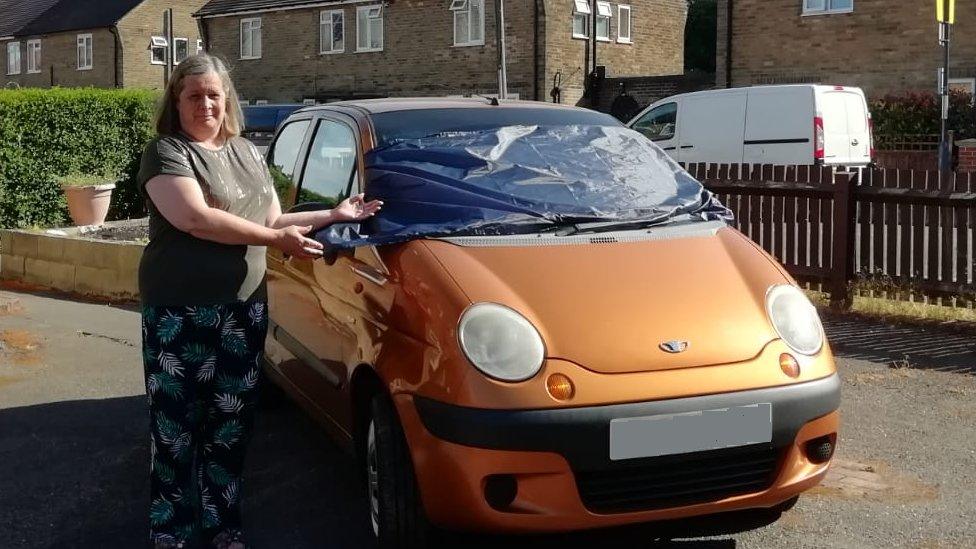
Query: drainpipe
point(535, 49)
point(114, 29)
point(728, 44)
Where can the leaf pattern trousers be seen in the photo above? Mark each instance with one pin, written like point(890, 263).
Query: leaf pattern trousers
point(203, 367)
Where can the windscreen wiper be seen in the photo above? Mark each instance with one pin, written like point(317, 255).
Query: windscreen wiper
point(605, 226)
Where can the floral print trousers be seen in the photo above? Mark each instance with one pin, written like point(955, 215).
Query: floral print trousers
point(202, 366)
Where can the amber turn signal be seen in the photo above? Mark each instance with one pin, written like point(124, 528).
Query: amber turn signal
point(789, 365)
point(560, 387)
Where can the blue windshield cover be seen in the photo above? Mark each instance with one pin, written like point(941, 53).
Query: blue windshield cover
point(520, 179)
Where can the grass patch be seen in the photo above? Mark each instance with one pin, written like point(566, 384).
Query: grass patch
point(897, 309)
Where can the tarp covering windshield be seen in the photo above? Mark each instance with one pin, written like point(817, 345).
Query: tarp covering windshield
point(520, 179)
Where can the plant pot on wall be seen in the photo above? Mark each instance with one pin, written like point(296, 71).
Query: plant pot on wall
point(88, 198)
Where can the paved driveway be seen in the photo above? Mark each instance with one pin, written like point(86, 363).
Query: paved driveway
point(73, 448)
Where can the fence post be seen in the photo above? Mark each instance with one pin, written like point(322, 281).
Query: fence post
point(842, 243)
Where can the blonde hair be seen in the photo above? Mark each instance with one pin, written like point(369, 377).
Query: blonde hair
point(168, 116)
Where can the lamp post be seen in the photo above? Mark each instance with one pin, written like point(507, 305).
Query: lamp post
point(945, 13)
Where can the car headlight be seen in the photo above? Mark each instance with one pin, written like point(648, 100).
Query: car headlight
point(500, 342)
point(795, 319)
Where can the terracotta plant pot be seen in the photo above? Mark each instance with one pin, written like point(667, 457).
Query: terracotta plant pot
point(89, 205)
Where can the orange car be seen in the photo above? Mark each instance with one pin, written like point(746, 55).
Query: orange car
point(548, 376)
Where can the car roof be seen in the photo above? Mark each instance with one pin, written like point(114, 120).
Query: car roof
point(376, 106)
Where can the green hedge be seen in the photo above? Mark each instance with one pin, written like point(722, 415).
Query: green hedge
point(46, 134)
point(921, 113)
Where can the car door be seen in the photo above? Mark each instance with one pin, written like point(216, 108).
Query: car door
point(847, 138)
point(660, 125)
point(313, 321)
point(712, 127)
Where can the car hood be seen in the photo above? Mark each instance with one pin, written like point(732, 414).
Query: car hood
point(609, 306)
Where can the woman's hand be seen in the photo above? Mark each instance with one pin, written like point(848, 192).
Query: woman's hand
point(292, 241)
point(355, 208)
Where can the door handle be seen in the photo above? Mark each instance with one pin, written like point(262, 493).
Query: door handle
point(369, 274)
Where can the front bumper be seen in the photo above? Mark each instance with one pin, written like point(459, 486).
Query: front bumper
point(560, 461)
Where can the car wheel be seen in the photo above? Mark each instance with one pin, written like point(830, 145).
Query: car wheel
point(396, 512)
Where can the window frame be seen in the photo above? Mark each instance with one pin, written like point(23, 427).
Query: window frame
point(827, 8)
point(249, 21)
point(630, 23)
point(462, 8)
point(32, 45)
point(87, 42)
point(599, 7)
point(674, 131)
point(367, 10)
point(199, 46)
point(969, 81)
point(298, 165)
point(158, 43)
point(176, 59)
point(11, 48)
point(331, 24)
point(352, 187)
point(581, 8)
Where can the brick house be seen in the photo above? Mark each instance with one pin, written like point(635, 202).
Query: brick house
point(100, 43)
point(293, 50)
point(883, 47)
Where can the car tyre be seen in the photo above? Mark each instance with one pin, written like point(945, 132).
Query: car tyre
point(396, 511)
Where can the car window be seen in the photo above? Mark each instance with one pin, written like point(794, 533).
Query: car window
point(658, 124)
point(283, 158)
point(331, 165)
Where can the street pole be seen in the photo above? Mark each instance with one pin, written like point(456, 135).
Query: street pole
point(500, 33)
point(168, 31)
point(594, 100)
point(945, 148)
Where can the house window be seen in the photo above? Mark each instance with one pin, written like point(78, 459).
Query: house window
point(33, 56)
point(199, 46)
point(157, 50)
point(181, 49)
point(85, 61)
point(581, 19)
point(369, 28)
point(623, 25)
point(13, 58)
point(469, 22)
point(967, 85)
point(251, 38)
point(603, 14)
point(827, 6)
point(332, 32)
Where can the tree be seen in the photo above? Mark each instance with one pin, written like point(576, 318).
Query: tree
point(700, 36)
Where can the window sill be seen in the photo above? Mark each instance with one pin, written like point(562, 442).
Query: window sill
point(825, 12)
point(84, 68)
point(13, 73)
point(373, 50)
point(598, 39)
point(470, 44)
point(250, 58)
point(630, 42)
point(580, 37)
point(333, 52)
point(33, 72)
point(158, 63)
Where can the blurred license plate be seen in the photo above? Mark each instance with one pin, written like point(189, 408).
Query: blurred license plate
point(662, 435)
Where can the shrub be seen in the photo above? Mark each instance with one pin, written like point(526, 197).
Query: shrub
point(918, 113)
point(47, 134)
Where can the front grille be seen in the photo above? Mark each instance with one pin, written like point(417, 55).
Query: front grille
point(673, 481)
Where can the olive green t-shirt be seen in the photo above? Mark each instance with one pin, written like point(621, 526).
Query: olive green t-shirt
point(178, 268)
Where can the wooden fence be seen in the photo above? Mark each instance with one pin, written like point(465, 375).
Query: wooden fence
point(905, 233)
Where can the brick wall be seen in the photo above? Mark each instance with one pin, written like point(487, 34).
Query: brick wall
point(882, 46)
point(415, 62)
point(138, 26)
point(967, 155)
point(657, 48)
point(59, 61)
point(648, 89)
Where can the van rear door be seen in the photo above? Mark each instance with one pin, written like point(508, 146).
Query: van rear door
point(711, 126)
point(779, 126)
point(847, 137)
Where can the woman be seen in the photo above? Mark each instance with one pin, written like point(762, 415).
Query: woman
point(212, 212)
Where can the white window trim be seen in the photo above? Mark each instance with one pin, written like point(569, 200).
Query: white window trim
point(970, 81)
point(20, 58)
point(342, 47)
point(30, 56)
point(199, 46)
point(600, 6)
point(630, 23)
point(360, 11)
point(251, 29)
point(155, 43)
point(465, 6)
point(586, 27)
point(582, 7)
point(827, 10)
point(188, 54)
point(89, 51)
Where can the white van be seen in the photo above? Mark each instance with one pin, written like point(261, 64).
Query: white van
point(791, 124)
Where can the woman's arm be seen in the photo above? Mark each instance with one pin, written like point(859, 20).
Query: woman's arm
point(354, 208)
point(180, 200)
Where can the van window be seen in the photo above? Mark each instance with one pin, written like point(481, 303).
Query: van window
point(283, 157)
point(658, 124)
point(331, 165)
